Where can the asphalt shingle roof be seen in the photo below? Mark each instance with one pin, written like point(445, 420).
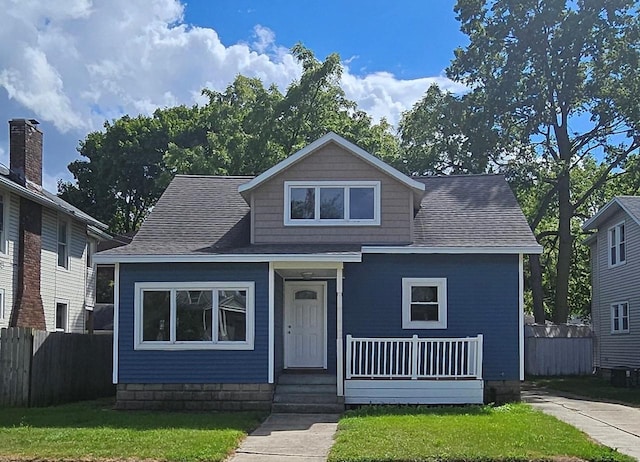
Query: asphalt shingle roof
point(207, 215)
point(632, 205)
point(470, 211)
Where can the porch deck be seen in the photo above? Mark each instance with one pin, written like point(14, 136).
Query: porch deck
point(414, 370)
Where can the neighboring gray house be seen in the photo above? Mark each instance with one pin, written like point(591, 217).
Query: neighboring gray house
point(47, 277)
point(615, 269)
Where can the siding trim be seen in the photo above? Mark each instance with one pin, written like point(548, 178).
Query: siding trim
point(352, 257)
point(521, 312)
point(272, 304)
point(532, 249)
point(116, 320)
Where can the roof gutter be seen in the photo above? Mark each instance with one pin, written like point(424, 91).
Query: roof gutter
point(227, 258)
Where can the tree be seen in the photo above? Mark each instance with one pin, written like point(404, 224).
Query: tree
point(562, 77)
point(242, 131)
point(448, 134)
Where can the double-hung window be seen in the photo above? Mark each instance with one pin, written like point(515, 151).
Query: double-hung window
point(211, 315)
point(63, 243)
point(3, 313)
point(424, 303)
point(332, 203)
point(620, 317)
point(617, 251)
point(62, 316)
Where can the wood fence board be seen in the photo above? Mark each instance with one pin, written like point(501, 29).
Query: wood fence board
point(40, 368)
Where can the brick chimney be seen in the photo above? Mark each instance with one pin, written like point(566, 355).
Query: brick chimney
point(25, 153)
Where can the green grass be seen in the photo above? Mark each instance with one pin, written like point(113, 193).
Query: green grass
point(93, 431)
point(513, 432)
point(591, 387)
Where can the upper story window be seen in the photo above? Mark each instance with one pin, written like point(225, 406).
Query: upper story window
point(63, 243)
point(329, 203)
point(617, 250)
point(212, 315)
point(620, 318)
point(424, 303)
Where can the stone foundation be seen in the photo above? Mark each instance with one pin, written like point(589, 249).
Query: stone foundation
point(501, 391)
point(195, 396)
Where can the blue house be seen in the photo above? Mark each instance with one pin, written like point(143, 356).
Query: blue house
point(329, 279)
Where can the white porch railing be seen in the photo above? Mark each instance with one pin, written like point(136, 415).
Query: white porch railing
point(414, 358)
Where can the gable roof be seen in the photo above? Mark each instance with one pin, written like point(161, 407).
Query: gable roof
point(317, 144)
point(204, 218)
point(630, 204)
point(45, 198)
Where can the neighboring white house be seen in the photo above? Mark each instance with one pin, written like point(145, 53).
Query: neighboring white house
point(47, 277)
point(615, 269)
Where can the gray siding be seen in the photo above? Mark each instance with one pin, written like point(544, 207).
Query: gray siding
point(9, 259)
point(618, 284)
point(331, 163)
point(65, 285)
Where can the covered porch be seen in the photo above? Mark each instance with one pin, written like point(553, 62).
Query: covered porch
point(307, 336)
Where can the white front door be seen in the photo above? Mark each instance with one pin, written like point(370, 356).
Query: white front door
point(305, 324)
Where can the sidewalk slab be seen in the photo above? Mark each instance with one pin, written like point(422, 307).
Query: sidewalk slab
point(289, 438)
point(610, 424)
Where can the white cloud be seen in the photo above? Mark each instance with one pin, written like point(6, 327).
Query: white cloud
point(77, 65)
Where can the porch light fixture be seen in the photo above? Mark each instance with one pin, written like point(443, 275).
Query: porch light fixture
point(306, 275)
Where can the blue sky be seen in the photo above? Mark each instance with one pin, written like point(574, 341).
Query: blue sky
point(73, 65)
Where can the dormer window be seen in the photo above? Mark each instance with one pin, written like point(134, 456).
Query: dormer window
point(617, 252)
point(329, 203)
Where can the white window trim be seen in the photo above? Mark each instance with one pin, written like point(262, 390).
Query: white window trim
point(4, 235)
point(613, 323)
point(67, 243)
point(407, 284)
point(288, 221)
point(615, 246)
point(3, 313)
point(55, 315)
point(139, 344)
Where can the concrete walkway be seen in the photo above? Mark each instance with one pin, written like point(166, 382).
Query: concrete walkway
point(289, 438)
point(613, 425)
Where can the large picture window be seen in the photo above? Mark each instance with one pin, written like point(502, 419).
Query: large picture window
point(195, 315)
point(620, 318)
point(424, 303)
point(617, 251)
point(332, 203)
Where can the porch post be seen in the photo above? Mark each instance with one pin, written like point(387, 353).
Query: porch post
point(272, 293)
point(340, 359)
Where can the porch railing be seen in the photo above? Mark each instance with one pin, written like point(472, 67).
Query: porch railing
point(414, 358)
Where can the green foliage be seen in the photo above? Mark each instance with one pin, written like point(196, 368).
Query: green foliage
point(94, 431)
point(472, 433)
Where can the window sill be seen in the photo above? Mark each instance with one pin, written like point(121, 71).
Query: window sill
point(193, 346)
point(618, 264)
point(424, 325)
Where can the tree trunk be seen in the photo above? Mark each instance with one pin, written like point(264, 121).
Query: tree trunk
point(537, 292)
point(565, 244)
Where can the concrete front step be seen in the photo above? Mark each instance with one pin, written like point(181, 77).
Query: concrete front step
point(286, 389)
point(307, 408)
point(306, 379)
point(314, 398)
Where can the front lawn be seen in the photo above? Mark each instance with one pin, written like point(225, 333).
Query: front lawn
point(93, 431)
point(591, 387)
point(513, 432)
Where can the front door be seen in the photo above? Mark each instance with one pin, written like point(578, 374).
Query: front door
point(305, 324)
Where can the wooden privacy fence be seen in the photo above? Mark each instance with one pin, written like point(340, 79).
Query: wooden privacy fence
point(42, 368)
point(558, 350)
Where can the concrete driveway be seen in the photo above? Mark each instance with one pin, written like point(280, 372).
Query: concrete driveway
point(614, 425)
